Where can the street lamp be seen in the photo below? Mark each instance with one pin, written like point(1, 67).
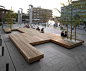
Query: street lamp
point(2, 15)
point(21, 14)
point(30, 14)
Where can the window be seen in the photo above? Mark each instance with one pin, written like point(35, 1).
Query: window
point(34, 14)
point(37, 9)
point(6, 12)
point(3, 12)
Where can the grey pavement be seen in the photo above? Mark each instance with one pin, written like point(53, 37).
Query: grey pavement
point(56, 58)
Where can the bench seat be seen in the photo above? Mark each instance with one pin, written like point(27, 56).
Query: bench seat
point(30, 53)
point(7, 30)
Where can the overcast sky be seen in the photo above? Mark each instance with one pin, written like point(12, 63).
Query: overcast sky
point(47, 4)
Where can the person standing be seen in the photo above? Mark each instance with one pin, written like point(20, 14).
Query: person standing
point(54, 25)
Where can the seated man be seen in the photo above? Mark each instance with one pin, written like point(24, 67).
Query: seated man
point(42, 30)
point(25, 26)
point(28, 26)
point(65, 35)
point(62, 33)
point(38, 29)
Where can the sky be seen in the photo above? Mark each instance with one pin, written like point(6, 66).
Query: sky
point(24, 4)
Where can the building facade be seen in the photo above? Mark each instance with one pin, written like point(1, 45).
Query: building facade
point(77, 7)
point(37, 14)
point(2, 14)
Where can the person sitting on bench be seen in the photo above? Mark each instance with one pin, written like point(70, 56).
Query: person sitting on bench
point(42, 30)
point(62, 33)
point(65, 35)
point(38, 29)
point(25, 26)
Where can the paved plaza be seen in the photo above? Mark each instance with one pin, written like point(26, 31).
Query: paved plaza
point(56, 58)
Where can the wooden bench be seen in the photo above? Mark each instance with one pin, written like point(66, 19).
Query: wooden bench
point(7, 30)
point(30, 53)
point(29, 37)
point(14, 29)
point(60, 41)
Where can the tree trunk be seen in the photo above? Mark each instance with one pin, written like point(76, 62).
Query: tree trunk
point(71, 31)
point(67, 31)
point(71, 23)
point(78, 25)
point(10, 26)
point(75, 31)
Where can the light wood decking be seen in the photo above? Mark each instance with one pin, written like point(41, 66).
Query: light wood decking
point(29, 37)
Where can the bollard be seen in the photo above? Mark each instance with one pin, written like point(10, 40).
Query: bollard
point(7, 67)
point(3, 51)
point(0, 36)
point(0, 42)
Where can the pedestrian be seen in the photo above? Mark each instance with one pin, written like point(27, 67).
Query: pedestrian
point(54, 25)
point(57, 24)
point(85, 28)
point(45, 24)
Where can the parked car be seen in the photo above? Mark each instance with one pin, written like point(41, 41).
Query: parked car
point(5, 22)
point(14, 22)
point(82, 23)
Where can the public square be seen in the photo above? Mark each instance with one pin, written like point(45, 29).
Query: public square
point(56, 58)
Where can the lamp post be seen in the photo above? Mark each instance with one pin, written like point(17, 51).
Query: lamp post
point(30, 14)
point(2, 15)
point(21, 14)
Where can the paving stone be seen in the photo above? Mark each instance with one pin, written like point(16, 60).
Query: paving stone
point(58, 66)
point(3, 68)
point(42, 62)
point(77, 60)
point(84, 55)
point(81, 67)
point(42, 68)
point(26, 68)
point(36, 64)
point(81, 58)
point(54, 62)
point(65, 68)
point(84, 64)
point(72, 64)
point(50, 69)
point(0, 51)
point(49, 64)
point(75, 69)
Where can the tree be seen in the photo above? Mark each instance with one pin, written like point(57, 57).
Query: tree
point(9, 18)
point(77, 18)
point(76, 21)
point(44, 16)
point(0, 19)
point(64, 16)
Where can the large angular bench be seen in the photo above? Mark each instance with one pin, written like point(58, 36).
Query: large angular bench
point(30, 53)
point(29, 37)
